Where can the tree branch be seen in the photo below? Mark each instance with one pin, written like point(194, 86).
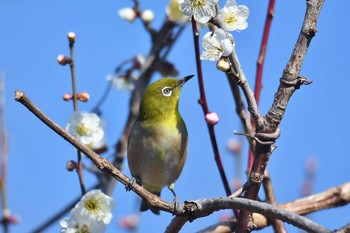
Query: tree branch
point(191, 209)
point(204, 207)
point(269, 130)
point(331, 198)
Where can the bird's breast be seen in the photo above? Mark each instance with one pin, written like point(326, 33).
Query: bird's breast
point(157, 153)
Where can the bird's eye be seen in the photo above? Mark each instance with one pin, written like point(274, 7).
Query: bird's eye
point(167, 91)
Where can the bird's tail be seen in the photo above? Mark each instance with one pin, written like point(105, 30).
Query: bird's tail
point(145, 206)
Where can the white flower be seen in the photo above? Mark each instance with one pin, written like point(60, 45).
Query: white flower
point(216, 45)
point(235, 17)
point(173, 12)
point(147, 16)
point(86, 128)
point(87, 226)
point(202, 10)
point(95, 206)
point(120, 82)
point(127, 14)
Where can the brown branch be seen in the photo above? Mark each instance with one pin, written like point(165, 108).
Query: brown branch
point(204, 207)
point(237, 75)
point(331, 198)
point(290, 81)
point(241, 110)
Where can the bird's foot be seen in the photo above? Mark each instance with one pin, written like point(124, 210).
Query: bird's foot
point(130, 183)
point(175, 205)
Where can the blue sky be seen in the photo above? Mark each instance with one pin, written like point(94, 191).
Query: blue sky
point(33, 34)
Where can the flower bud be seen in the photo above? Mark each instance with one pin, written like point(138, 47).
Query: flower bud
point(147, 16)
point(127, 14)
point(71, 37)
point(83, 96)
point(223, 64)
point(71, 165)
point(67, 97)
point(212, 118)
point(63, 60)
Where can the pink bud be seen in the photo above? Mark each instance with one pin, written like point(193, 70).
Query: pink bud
point(212, 118)
point(83, 96)
point(67, 97)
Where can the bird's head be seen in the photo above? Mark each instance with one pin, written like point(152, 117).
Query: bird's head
point(161, 98)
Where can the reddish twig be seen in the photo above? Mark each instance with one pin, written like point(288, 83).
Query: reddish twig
point(203, 102)
point(3, 142)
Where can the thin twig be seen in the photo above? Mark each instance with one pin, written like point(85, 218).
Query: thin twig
point(146, 25)
point(271, 199)
point(79, 168)
point(3, 143)
point(203, 102)
point(241, 110)
point(260, 67)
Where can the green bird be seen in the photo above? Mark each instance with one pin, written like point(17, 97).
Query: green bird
point(157, 145)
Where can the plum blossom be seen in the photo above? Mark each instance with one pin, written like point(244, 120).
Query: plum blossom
point(202, 10)
point(216, 45)
point(235, 17)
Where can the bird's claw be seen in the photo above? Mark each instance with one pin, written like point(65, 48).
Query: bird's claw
point(175, 205)
point(130, 183)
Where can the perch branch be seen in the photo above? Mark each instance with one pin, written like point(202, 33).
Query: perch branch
point(194, 209)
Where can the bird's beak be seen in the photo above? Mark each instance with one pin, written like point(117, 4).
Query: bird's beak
point(183, 80)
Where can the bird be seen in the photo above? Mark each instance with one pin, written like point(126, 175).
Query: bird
point(157, 143)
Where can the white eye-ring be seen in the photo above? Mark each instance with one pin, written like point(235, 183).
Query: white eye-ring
point(167, 91)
